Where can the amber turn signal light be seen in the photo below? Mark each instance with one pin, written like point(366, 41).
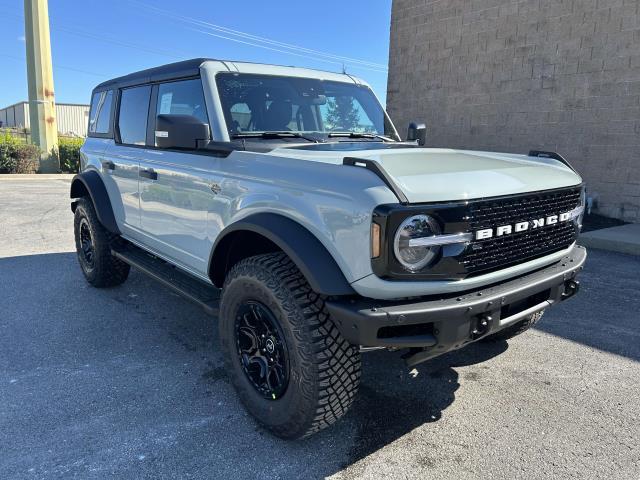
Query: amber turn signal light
point(375, 240)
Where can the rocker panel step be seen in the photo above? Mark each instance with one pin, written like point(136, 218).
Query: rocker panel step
point(199, 292)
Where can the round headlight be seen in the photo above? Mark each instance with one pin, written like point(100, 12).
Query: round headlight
point(415, 258)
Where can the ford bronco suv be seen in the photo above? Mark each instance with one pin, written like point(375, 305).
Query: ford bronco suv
point(283, 201)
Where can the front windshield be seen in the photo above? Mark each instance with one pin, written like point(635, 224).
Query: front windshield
point(254, 104)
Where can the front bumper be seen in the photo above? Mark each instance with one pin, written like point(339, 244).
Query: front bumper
point(431, 326)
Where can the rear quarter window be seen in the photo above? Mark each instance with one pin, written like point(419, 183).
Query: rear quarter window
point(100, 113)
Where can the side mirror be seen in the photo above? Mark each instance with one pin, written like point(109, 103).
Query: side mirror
point(417, 132)
point(180, 131)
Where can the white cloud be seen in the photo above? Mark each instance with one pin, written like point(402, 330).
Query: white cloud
point(21, 38)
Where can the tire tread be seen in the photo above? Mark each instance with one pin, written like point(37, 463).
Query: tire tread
point(109, 271)
point(335, 361)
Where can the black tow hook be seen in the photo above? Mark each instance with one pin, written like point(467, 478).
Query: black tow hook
point(571, 287)
point(481, 326)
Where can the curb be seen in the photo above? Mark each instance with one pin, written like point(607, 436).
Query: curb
point(36, 176)
point(623, 239)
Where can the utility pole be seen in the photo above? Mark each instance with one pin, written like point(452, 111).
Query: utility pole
point(42, 107)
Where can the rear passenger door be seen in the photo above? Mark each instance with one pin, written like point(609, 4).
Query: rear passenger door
point(122, 159)
point(177, 199)
point(99, 138)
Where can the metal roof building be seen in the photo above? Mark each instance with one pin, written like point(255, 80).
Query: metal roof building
point(72, 118)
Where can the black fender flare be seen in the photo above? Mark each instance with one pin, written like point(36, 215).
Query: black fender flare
point(301, 246)
point(90, 183)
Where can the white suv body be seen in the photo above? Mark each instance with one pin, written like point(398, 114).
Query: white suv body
point(311, 187)
point(206, 163)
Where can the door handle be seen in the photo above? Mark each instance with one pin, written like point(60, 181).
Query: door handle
point(108, 165)
point(149, 173)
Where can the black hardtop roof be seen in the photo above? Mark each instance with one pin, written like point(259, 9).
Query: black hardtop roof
point(186, 68)
point(170, 71)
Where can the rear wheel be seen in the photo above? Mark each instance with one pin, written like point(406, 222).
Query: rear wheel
point(93, 246)
point(515, 329)
point(292, 369)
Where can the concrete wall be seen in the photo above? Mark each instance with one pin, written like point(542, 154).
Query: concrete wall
point(511, 76)
point(72, 118)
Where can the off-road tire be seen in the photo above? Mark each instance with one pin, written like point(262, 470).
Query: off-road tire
point(105, 270)
point(515, 329)
point(324, 369)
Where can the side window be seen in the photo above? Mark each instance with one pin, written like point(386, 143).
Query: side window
point(182, 98)
point(100, 115)
point(96, 103)
point(132, 117)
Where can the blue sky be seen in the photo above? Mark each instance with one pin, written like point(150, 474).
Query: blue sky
point(93, 41)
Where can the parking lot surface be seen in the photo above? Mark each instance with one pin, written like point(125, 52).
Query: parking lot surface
point(128, 382)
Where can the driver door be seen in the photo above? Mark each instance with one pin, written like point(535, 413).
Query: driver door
point(176, 194)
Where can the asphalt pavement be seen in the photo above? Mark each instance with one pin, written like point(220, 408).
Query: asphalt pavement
point(128, 382)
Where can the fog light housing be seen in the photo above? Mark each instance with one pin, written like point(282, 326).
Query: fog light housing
point(415, 258)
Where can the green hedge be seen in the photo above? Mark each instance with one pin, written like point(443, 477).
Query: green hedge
point(69, 153)
point(17, 156)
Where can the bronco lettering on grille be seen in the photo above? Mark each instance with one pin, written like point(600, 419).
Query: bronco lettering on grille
point(503, 230)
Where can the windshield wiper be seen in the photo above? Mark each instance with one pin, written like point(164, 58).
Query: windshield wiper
point(360, 135)
point(270, 135)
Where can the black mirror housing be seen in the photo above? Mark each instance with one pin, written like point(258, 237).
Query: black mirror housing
point(417, 132)
point(180, 131)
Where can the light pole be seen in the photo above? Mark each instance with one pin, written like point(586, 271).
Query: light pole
point(42, 107)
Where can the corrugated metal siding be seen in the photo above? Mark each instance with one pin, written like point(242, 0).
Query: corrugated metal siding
point(15, 115)
point(11, 114)
point(22, 115)
point(72, 119)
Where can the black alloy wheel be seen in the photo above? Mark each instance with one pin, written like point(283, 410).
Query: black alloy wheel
point(262, 350)
point(87, 247)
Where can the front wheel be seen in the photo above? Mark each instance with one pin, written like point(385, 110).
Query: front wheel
point(292, 369)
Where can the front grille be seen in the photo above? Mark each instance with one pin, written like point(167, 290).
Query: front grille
point(500, 252)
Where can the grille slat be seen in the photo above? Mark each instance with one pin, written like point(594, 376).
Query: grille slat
point(499, 252)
